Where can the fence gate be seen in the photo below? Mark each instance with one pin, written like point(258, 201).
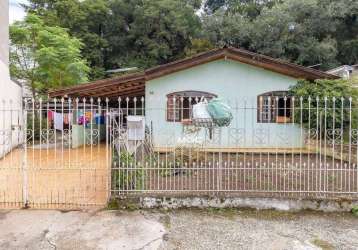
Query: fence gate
point(12, 175)
point(52, 157)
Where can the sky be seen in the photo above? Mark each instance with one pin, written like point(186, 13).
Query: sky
point(15, 10)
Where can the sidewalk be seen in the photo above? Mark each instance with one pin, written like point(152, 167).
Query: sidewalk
point(181, 229)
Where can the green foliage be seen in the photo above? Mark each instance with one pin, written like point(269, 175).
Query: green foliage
point(33, 127)
point(306, 32)
point(45, 57)
point(197, 46)
point(127, 173)
point(123, 33)
point(145, 33)
point(161, 31)
point(355, 210)
point(84, 20)
point(330, 93)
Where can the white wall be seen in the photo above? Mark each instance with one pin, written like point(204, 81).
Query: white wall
point(10, 92)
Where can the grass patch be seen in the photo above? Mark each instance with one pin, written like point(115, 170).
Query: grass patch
point(355, 211)
point(224, 212)
point(113, 205)
point(325, 245)
point(125, 204)
point(165, 220)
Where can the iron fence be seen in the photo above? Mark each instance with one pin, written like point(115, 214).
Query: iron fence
point(80, 152)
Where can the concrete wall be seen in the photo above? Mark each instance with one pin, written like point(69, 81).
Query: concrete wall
point(10, 92)
point(235, 82)
point(4, 31)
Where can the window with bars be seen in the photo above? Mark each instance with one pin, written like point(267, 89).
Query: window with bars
point(274, 107)
point(180, 104)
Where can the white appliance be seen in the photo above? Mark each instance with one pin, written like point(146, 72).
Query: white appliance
point(136, 127)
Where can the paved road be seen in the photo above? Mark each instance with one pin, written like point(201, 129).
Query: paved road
point(181, 229)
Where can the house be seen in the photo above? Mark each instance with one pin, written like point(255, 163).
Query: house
point(253, 85)
point(345, 71)
point(10, 94)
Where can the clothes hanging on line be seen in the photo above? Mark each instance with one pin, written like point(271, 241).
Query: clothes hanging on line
point(67, 118)
point(50, 116)
point(58, 121)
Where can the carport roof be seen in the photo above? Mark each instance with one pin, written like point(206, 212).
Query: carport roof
point(134, 84)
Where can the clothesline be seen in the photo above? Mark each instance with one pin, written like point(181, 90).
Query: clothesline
point(60, 119)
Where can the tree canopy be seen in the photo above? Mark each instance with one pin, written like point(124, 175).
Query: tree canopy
point(143, 33)
point(124, 33)
point(45, 56)
point(306, 32)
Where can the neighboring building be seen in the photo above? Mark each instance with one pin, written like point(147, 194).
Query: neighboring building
point(10, 92)
point(250, 83)
point(345, 71)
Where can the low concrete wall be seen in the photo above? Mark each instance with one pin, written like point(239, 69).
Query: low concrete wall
point(256, 203)
point(78, 134)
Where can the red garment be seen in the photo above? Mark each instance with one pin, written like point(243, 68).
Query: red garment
point(65, 119)
point(50, 115)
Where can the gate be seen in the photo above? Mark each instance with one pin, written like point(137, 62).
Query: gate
point(52, 156)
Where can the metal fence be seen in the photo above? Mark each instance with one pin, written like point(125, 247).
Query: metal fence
point(275, 146)
point(80, 152)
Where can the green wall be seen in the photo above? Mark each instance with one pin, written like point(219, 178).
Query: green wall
point(239, 85)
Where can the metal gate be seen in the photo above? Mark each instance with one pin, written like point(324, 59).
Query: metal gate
point(52, 157)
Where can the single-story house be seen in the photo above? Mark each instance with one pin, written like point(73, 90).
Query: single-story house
point(345, 71)
point(250, 83)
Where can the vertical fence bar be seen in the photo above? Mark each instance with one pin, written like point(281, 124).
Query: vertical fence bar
point(24, 157)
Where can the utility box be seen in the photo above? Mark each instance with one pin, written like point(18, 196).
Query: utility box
point(136, 127)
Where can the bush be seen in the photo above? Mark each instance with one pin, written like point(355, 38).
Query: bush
point(325, 89)
point(126, 173)
point(33, 126)
point(355, 211)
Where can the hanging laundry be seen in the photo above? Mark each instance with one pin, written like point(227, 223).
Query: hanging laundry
point(99, 119)
point(50, 116)
point(83, 120)
point(58, 121)
point(88, 115)
point(67, 118)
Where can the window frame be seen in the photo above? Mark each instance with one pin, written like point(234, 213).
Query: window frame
point(177, 106)
point(273, 109)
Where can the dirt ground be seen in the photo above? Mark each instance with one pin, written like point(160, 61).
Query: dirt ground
point(55, 177)
point(179, 229)
point(73, 178)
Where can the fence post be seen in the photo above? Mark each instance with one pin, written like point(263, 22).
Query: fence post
point(24, 155)
point(108, 154)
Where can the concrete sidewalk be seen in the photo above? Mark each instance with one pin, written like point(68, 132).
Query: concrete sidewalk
point(180, 229)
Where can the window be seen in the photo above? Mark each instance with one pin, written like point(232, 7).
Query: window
point(180, 104)
point(274, 107)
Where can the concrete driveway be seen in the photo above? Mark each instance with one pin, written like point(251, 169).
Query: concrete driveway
point(181, 229)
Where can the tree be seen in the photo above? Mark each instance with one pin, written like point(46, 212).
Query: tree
point(124, 33)
point(335, 101)
point(84, 20)
point(160, 31)
point(307, 32)
point(248, 8)
point(45, 57)
point(197, 46)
